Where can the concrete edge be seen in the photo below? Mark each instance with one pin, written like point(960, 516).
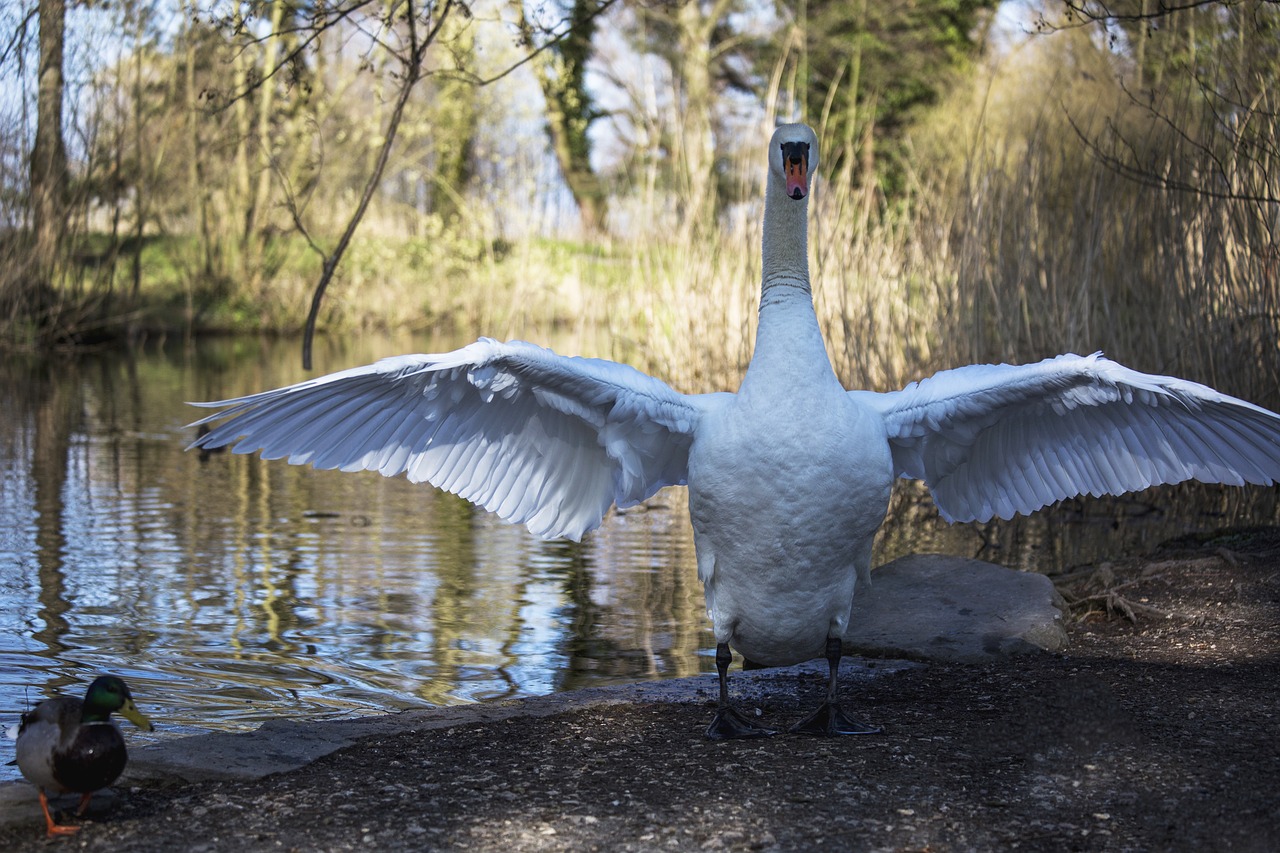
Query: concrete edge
point(284, 745)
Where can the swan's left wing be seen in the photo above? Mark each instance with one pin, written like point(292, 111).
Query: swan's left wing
point(997, 440)
point(540, 439)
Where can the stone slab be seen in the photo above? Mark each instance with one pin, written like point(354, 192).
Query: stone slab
point(283, 745)
point(934, 607)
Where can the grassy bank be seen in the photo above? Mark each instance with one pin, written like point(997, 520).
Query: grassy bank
point(1011, 263)
point(387, 282)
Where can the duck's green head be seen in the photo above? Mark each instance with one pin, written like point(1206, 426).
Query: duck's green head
point(107, 695)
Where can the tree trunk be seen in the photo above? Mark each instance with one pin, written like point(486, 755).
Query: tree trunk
point(561, 73)
point(196, 190)
point(572, 148)
point(253, 238)
point(49, 153)
point(458, 124)
point(694, 143)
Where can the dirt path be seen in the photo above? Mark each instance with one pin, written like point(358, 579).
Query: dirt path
point(1164, 735)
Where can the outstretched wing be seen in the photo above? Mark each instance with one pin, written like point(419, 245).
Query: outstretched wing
point(540, 439)
point(996, 440)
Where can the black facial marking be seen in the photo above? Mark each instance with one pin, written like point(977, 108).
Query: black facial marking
point(795, 152)
point(795, 163)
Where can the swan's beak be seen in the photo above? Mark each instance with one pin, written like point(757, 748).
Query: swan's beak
point(795, 163)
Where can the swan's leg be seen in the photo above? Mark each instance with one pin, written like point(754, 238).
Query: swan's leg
point(729, 722)
point(829, 719)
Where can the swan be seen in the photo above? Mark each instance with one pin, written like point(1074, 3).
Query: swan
point(788, 478)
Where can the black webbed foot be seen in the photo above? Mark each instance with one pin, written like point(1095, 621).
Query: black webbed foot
point(731, 724)
point(829, 721)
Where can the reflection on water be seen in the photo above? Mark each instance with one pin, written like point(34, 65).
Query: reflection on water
point(229, 591)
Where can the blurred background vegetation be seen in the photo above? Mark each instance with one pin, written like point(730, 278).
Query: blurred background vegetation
point(1001, 180)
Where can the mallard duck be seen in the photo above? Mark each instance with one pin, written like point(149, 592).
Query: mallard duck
point(66, 745)
point(788, 478)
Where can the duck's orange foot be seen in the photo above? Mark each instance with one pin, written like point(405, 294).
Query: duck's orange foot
point(53, 829)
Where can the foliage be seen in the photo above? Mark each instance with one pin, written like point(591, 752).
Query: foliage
point(1110, 184)
point(870, 69)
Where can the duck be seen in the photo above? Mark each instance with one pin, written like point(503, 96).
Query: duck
point(68, 745)
point(788, 477)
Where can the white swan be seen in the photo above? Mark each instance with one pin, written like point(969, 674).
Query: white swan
point(789, 478)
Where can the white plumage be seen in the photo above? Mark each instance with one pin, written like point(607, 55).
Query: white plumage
point(998, 440)
point(789, 478)
point(543, 440)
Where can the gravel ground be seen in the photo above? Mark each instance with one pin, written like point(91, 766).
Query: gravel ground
point(1159, 734)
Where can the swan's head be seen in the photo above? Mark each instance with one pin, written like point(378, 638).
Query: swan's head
point(793, 157)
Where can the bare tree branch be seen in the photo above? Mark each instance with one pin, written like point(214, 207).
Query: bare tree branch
point(1129, 167)
point(319, 26)
point(1093, 12)
point(604, 6)
point(413, 63)
point(19, 36)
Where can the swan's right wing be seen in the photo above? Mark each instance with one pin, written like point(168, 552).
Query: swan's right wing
point(998, 440)
point(540, 439)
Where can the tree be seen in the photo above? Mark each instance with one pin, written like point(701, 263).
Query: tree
point(418, 31)
point(674, 115)
point(48, 182)
point(560, 65)
point(449, 128)
point(402, 31)
point(696, 26)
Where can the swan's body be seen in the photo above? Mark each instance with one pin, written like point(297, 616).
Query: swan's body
point(775, 591)
point(789, 478)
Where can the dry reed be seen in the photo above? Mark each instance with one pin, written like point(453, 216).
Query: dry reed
point(1017, 244)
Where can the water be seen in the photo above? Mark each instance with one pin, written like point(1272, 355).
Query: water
point(228, 591)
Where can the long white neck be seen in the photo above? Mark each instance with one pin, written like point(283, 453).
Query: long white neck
point(789, 346)
point(785, 249)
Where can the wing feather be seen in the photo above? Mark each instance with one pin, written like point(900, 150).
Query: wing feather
point(997, 440)
point(540, 439)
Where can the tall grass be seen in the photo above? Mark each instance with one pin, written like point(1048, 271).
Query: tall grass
point(1053, 250)
point(1017, 243)
point(1014, 241)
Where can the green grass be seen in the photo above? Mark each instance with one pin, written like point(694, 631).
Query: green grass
point(384, 282)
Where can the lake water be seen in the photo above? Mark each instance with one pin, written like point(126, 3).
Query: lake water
point(228, 591)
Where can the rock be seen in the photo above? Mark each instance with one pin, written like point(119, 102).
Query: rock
point(935, 607)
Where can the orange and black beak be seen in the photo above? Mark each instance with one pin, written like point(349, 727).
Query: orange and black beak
point(795, 163)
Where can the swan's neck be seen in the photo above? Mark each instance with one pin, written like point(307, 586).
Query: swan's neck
point(789, 353)
point(785, 248)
